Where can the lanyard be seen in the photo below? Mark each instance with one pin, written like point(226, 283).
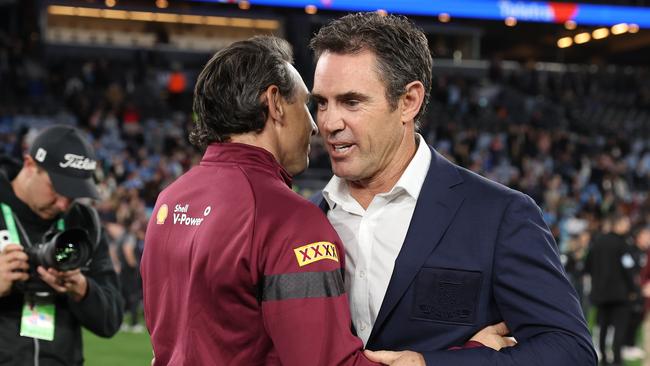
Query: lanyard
point(8, 215)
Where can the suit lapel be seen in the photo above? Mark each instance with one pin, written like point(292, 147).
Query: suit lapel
point(434, 211)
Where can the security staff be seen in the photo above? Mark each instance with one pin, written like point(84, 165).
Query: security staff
point(42, 310)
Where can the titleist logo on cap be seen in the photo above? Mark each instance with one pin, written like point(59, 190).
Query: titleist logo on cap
point(78, 162)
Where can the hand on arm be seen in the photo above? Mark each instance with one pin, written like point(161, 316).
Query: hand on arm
point(495, 337)
point(492, 336)
point(403, 358)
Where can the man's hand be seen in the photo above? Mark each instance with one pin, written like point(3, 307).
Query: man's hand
point(403, 358)
point(646, 289)
point(13, 264)
point(73, 282)
point(494, 336)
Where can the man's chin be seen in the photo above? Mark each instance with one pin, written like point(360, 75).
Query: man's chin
point(345, 172)
point(298, 169)
point(47, 215)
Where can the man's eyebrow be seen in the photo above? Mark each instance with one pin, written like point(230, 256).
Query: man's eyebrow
point(352, 96)
point(345, 96)
point(316, 96)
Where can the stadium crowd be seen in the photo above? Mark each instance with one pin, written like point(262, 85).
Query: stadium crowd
point(577, 141)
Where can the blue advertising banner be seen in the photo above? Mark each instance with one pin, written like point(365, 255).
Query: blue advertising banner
point(546, 12)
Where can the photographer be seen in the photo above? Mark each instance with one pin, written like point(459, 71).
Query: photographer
point(42, 309)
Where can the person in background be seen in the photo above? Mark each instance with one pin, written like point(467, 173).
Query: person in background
point(612, 286)
point(635, 262)
point(38, 199)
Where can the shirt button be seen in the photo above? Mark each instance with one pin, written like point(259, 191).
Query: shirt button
point(362, 274)
point(363, 326)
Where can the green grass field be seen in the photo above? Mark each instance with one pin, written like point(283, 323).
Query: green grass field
point(123, 349)
point(134, 349)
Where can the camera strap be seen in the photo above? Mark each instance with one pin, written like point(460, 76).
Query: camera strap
point(8, 216)
point(38, 313)
point(11, 221)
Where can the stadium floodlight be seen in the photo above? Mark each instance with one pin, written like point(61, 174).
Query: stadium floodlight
point(564, 42)
point(600, 33)
point(311, 9)
point(163, 17)
point(581, 38)
point(620, 28)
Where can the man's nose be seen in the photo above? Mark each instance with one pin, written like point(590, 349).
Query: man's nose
point(314, 126)
point(63, 202)
point(329, 121)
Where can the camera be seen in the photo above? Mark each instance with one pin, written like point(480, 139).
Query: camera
point(62, 250)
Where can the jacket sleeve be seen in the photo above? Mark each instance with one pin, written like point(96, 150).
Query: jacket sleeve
point(627, 266)
point(534, 298)
point(303, 299)
point(102, 309)
point(645, 273)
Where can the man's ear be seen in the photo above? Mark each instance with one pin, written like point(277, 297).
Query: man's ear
point(29, 165)
point(412, 100)
point(274, 102)
point(28, 161)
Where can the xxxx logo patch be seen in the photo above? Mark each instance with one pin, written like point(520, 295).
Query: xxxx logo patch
point(315, 252)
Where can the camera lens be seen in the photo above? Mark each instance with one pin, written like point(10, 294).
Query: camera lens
point(66, 253)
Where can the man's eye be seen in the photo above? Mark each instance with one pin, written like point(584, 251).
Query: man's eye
point(321, 105)
point(351, 103)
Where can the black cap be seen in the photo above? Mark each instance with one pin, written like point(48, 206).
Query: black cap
point(68, 159)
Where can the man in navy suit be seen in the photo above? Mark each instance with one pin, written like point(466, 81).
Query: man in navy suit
point(434, 252)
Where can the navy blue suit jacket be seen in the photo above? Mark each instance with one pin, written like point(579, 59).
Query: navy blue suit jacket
point(477, 253)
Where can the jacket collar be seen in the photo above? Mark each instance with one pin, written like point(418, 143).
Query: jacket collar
point(435, 210)
point(245, 154)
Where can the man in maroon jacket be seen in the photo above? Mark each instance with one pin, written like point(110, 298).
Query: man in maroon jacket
point(237, 268)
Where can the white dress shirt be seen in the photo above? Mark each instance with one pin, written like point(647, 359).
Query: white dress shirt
point(373, 238)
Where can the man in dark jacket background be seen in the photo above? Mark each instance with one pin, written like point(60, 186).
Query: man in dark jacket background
point(608, 263)
point(37, 200)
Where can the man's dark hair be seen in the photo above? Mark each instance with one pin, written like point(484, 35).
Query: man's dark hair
point(401, 48)
point(227, 93)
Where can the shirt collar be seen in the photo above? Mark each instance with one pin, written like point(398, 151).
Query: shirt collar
point(246, 154)
point(336, 191)
point(413, 177)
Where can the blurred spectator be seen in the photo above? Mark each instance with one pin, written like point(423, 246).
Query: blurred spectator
point(608, 263)
point(575, 264)
point(645, 290)
point(639, 257)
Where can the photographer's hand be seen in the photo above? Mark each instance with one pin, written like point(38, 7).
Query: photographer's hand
point(13, 267)
point(73, 282)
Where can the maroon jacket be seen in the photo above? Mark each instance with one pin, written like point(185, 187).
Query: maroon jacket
point(239, 270)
